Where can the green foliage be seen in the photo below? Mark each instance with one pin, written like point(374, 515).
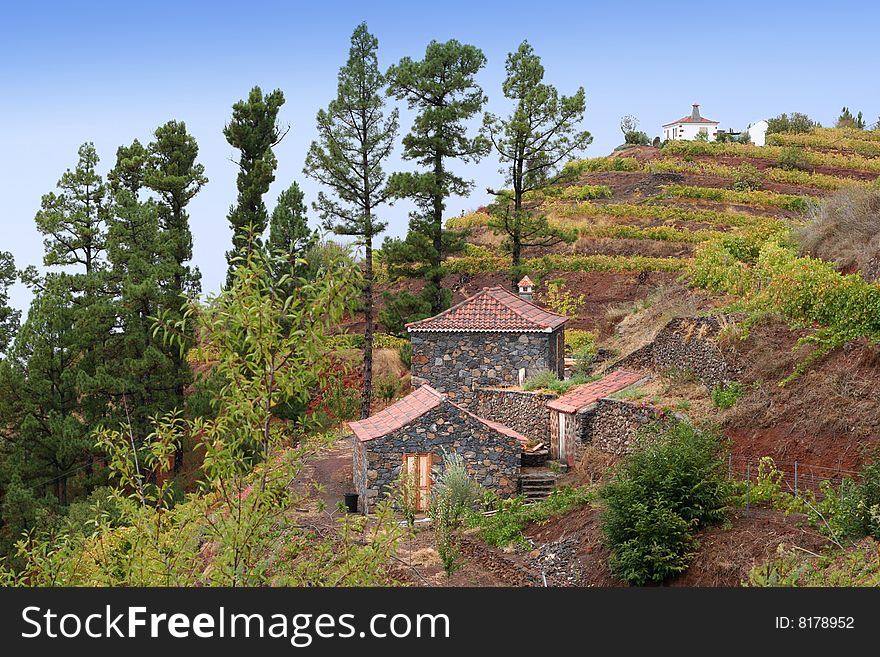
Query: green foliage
point(747, 178)
point(239, 530)
point(795, 123)
point(290, 237)
point(670, 486)
point(406, 354)
point(512, 516)
point(386, 388)
point(354, 140)
point(792, 158)
point(558, 263)
point(561, 300)
point(8, 316)
point(771, 199)
point(532, 142)
point(847, 120)
point(850, 510)
point(254, 132)
point(402, 308)
point(575, 168)
point(547, 380)
point(453, 495)
point(727, 396)
point(576, 339)
point(857, 566)
point(442, 90)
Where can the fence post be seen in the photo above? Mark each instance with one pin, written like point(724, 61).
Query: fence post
point(748, 486)
point(795, 478)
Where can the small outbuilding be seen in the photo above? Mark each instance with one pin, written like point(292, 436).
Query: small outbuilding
point(415, 432)
point(493, 338)
point(570, 414)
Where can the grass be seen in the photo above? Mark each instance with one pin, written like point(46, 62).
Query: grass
point(550, 263)
point(514, 515)
point(769, 199)
point(548, 381)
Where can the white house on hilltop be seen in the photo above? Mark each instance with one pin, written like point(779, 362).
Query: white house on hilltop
point(688, 127)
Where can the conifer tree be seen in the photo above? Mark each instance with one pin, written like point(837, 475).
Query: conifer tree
point(442, 89)
point(532, 143)
point(354, 140)
point(8, 316)
point(254, 131)
point(290, 237)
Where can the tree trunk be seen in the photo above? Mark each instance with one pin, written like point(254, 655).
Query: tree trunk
point(367, 393)
point(434, 276)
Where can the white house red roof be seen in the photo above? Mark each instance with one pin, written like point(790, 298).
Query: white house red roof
point(585, 395)
point(493, 309)
point(405, 411)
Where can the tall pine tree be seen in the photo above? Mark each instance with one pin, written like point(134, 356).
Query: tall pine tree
point(442, 89)
point(290, 237)
point(354, 140)
point(254, 131)
point(532, 143)
point(9, 316)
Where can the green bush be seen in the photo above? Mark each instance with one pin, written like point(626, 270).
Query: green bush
point(792, 158)
point(727, 396)
point(670, 486)
point(576, 339)
point(547, 380)
point(747, 177)
point(406, 353)
point(796, 123)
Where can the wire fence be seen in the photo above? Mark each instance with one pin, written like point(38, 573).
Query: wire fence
point(797, 477)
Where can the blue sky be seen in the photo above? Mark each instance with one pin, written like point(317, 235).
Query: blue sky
point(109, 72)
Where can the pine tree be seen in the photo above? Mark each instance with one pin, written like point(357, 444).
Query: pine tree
point(290, 237)
point(172, 173)
point(254, 131)
point(443, 91)
point(8, 316)
point(354, 139)
point(532, 143)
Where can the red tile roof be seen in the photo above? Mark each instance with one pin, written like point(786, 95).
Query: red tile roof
point(582, 396)
point(399, 414)
point(690, 119)
point(405, 411)
point(492, 309)
point(525, 282)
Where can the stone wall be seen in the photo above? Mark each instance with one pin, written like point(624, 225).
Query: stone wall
point(458, 363)
point(685, 343)
point(522, 411)
point(612, 424)
point(492, 458)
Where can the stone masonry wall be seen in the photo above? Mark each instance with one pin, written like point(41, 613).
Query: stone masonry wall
point(458, 363)
point(492, 458)
point(685, 343)
point(612, 424)
point(522, 411)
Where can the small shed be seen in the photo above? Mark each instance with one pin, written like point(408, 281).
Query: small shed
point(569, 413)
point(415, 432)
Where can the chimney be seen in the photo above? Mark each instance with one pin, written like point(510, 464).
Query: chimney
point(695, 112)
point(525, 288)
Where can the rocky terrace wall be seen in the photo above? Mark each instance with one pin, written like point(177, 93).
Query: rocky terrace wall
point(685, 343)
point(522, 411)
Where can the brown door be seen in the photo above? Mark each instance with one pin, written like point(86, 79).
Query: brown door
point(418, 467)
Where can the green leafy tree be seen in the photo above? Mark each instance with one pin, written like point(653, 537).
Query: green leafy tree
point(442, 90)
point(254, 131)
point(9, 316)
point(533, 143)
point(796, 122)
point(354, 140)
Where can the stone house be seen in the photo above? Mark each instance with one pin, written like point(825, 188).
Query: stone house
point(493, 338)
point(415, 432)
point(573, 416)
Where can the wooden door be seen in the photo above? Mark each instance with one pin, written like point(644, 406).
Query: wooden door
point(562, 447)
point(418, 466)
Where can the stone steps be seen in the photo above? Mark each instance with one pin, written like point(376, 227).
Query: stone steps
point(535, 487)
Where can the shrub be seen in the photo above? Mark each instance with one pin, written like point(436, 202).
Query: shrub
point(454, 494)
point(386, 388)
point(727, 396)
point(560, 300)
point(747, 177)
point(575, 339)
point(670, 486)
point(792, 158)
point(586, 192)
point(796, 123)
point(546, 380)
point(406, 354)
